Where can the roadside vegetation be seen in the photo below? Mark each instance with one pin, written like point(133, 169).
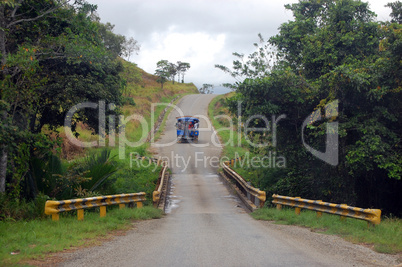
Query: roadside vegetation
point(80, 60)
point(320, 71)
point(74, 171)
point(226, 127)
point(332, 76)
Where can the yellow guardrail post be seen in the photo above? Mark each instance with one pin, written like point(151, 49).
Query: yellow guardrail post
point(55, 217)
point(297, 211)
point(80, 214)
point(261, 196)
point(155, 197)
point(319, 213)
point(102, 211)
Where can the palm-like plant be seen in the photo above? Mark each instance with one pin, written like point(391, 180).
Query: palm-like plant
point(100, 167)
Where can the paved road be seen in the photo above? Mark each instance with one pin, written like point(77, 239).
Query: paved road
point(205, 225)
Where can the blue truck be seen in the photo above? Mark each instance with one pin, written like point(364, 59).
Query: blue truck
point(187, 129)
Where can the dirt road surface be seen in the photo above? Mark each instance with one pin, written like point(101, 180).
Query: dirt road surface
point(206, 225)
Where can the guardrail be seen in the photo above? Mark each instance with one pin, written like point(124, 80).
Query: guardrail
point(252, 197)
point(372, 216)
point(160, 193)
point(55, 207)
point(162, 187)
point(154, 160)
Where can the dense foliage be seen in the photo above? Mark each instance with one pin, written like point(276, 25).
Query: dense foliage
point(54, 55)
point(331, 51)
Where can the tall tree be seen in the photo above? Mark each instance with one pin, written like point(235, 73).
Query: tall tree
point(172, 71)
point(12, 16)
point(183, 67)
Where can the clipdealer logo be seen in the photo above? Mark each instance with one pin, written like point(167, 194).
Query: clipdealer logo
point(330, 155)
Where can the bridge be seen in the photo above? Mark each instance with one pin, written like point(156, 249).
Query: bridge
point(207, 225)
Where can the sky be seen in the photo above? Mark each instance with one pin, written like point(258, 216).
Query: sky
point(202, 33)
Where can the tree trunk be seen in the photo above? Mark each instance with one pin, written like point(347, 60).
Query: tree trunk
point(3, 168)
point(3, 147)
point(3, 159)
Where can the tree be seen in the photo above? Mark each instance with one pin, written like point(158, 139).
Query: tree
point(396, 13)
point(258, 64)
point(54, 55)
point(162, 71)
point(10, 20)
point(172, 71)
point(326, 34)
point(167, 70)
point(114, 43)
point(206, 89)
point(182, 67)
point(130, 46)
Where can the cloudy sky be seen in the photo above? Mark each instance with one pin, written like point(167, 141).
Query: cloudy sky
point(202, 33)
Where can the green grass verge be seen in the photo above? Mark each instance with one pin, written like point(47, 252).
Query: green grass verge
point(385, 238)
point(25, 240)
point(234, 144)
point(163, 124)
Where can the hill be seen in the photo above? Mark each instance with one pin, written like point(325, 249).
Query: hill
point(141, 90)
point(144, 88)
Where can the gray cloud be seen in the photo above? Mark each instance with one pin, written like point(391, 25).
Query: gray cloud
point(239, 21)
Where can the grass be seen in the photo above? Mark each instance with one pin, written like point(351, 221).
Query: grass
point(163, 124)
point(25, 240)
point(234, 144)
point(384, 238)
point(136, 176)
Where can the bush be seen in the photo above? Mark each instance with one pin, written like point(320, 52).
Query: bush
point(20, 209)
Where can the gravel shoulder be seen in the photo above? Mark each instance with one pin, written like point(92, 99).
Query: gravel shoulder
point(341, 250)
